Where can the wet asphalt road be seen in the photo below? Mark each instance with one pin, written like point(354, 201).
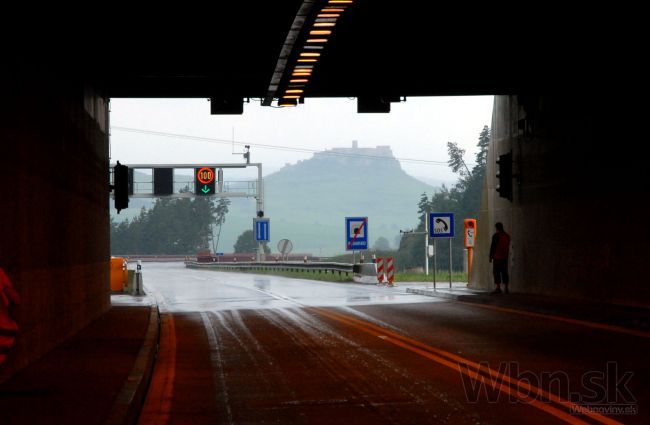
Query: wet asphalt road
point(243, 348)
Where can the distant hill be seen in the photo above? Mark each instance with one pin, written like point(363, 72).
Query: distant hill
point(307, 202)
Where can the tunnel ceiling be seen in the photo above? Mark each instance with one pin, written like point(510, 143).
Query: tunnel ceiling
point(402, 48)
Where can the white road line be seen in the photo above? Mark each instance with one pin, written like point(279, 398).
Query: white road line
point(218, 375)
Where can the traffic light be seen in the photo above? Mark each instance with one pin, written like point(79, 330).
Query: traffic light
point(505, 176)
point(163, 181)
point(121, 186)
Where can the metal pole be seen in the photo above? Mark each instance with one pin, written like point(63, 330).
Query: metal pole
point(449, 263)
point(434, 264)
point(260, 207)
point(426, 245)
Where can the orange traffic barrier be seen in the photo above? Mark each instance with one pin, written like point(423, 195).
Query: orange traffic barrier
point(119, 274)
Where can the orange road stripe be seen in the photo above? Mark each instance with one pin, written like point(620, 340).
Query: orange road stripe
point(502, 387)
point(492, 372)
point(603, 326)
point(157, 406)
point(412, 345)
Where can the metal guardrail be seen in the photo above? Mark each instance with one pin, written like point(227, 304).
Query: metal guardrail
point(290, 266)
point(153, 258)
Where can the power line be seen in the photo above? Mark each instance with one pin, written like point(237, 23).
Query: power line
point(273, 147)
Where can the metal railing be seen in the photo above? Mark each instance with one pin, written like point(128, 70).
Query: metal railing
point(243, 188)
point(288, 266)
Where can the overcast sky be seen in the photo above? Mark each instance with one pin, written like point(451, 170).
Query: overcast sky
point(416, 129)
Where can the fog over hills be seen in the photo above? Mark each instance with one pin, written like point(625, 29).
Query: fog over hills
point(307, 202)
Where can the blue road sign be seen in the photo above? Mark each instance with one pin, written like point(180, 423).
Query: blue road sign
point(356, 233)
point(441, 225)
point(262, 229)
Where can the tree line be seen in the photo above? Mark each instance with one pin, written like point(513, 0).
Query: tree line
point(463, 199)
point(171, 226)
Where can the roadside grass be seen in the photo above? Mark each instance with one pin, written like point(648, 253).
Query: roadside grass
point(329, 277)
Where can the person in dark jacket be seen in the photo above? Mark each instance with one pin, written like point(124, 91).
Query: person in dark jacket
point(499, 250)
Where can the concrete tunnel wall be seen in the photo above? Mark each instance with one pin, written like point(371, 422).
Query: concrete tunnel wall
point(579, 201)
point(53, 211)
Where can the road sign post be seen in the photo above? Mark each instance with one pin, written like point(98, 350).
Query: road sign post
point(285, 246)
point(262, 228)
point(356, 233)
point(441, 225)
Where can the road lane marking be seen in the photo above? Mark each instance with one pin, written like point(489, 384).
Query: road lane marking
point(454, 362)
point(218, 374)
point(603, 326)
point(439, 355)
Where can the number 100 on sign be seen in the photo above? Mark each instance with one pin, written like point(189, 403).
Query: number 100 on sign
point(204, 181)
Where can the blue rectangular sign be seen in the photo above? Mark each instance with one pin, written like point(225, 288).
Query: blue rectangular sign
point(262, 230)
point(356, 233)
point(441, 225)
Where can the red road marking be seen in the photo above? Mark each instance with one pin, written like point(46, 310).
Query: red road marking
point(157, 406)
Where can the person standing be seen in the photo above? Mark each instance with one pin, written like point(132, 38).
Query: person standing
point(499, 251)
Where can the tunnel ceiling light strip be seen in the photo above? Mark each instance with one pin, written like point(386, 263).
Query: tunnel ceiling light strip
point(322, 24)
point(299, 26)
point(287, 103)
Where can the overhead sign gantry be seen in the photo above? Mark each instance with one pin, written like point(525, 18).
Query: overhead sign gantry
point(163, 181)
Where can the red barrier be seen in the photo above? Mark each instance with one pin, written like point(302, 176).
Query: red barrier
point(8, 327)
point(380, 269)
point(390, 271)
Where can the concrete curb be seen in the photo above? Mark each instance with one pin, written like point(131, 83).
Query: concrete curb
point(129, 401)
point(442, 294)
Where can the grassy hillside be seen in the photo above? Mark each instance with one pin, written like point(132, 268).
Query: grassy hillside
point(308, 202)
